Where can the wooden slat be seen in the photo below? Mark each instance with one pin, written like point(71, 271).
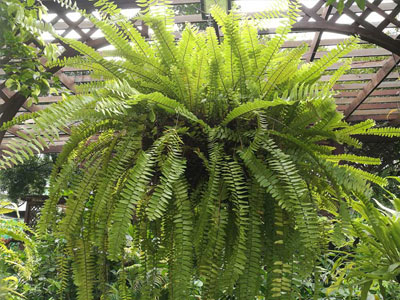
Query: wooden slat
point(383, 111)
point(359, 77)
point(374, 106)
point(391, 99)
point(391, 92)
point(195, 18)
point(323, 42)
point(361, 53)
point(359, 65)
point(376, 117)
point(357, 86)
point(347, 77)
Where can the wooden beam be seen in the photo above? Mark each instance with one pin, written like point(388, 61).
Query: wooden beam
point(317, 36)
point(54, 7)
point(384, 72)
point(11, 109)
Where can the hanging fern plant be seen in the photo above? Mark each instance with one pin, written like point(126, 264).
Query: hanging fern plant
point(216, 151)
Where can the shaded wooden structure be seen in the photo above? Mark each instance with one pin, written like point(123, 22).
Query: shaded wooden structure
point(33, 205)
point(370, 90)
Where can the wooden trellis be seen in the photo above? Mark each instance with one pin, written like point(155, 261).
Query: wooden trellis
point(33, 205)
point(360, 96)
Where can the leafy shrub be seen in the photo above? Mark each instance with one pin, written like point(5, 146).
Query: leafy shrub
point(16, 266)
point(376, 255)
point(29, 178)
point(19, 59)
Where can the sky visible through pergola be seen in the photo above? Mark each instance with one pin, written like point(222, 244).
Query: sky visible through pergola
point(245, 6)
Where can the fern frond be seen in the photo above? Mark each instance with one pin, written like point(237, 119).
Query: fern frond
point(112, 172)
point(134, 189)
point(83, 270)
point(366, 175)
point(172, 169)
point(76, 202)
point(384, 131)
point(164, 38)
point(250, 107)
point(170, 105)
point(58, 182)
point(209, 197)
point(310, 73)
point(283, 72)
point(234, 178)
point(183, 252)
point(250, 280)
point(271, 50)
point(338, 73)
point(353, 158)
point(48, 123)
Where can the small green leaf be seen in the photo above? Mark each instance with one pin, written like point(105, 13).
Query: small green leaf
point(9, 83)
point(152, 116)
point(393, 267)
point(29, 102)
point(361, 4)
point(365, 290)
point(340, 6)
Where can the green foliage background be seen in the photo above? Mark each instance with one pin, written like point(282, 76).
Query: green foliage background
point(19, 58)
point(29, 178)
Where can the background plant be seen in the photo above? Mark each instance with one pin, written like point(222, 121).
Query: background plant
point(376, 256)
point(341, 4)
point(29, 178)
point(22, 48)
point(16, 266)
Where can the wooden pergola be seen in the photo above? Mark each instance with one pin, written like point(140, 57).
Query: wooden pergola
point(370, 91)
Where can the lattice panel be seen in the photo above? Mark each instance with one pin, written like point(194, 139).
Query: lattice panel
point(368, 31)
point(33, 206)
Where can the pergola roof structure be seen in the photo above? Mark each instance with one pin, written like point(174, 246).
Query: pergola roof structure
point(371, 90)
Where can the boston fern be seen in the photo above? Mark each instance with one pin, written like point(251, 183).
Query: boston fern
point(218, 152)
